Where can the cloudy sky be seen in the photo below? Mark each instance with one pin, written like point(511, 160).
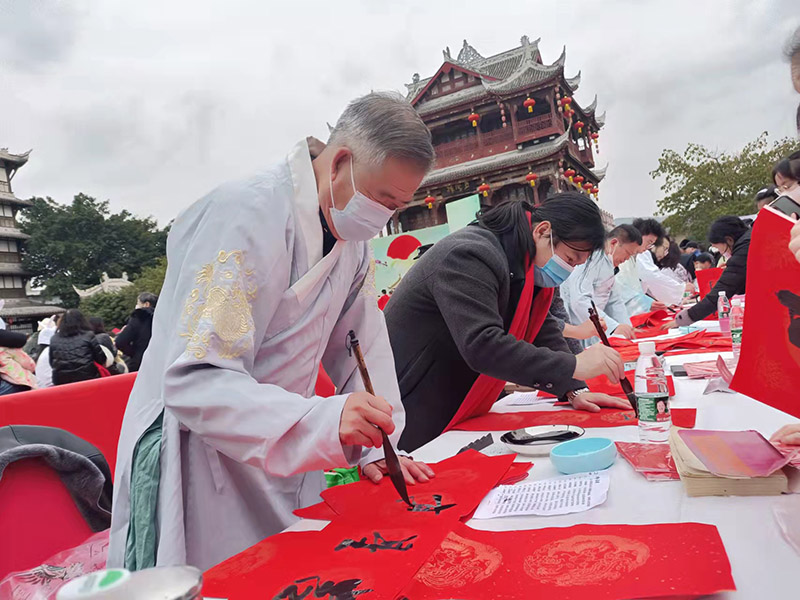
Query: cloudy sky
point(152, 103)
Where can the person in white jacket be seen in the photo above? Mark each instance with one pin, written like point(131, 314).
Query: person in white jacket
point(223, 436)
point(594, 281)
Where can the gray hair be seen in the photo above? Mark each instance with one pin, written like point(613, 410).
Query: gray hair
point(384, 125)
point(792, 47)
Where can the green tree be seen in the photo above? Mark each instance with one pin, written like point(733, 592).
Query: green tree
point(701, 184)
point(114, 308)
point(73, 244)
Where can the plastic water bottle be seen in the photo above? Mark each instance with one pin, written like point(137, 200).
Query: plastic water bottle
point(737, 322)
point(724, 312)
point(652, 396)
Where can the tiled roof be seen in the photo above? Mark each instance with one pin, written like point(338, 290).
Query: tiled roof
point(9, 197)
point(574, 82)
point(589, 110)
point(482, 165)
point(601, 120)
point(22, 307)
point(15, 159)
point(12, 233)
point(466, 95)
point(12, 269)
point(600, 173)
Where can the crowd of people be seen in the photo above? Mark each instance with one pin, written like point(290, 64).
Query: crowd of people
point(69, 347)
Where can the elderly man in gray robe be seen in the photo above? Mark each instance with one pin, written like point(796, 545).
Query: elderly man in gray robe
point(223, 436)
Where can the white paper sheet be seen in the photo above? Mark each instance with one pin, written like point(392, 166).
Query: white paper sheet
point(556, 496)
point(525, 399)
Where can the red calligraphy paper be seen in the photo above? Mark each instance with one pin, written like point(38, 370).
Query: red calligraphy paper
point(707, 279)
point(692, 343)
point(516, 472)
point(654, 461)
point(769, 363)
point(460, 483)
point(607, 417)
point(349, 556)
point(601, 562)
point(320, 511)
point(649, 324)
point(602, 385)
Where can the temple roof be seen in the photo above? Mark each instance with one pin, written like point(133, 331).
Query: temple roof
point(589, 110)
point(12, 233)
point(480, 166)
point(600, 173)
point(12, 269)
point(12, 199)
point(500, 75)
point(601, 120)
point(107, 285)
point(14, 159)
point(22, 307)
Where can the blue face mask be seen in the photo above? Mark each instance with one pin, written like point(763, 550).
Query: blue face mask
point(554, 272)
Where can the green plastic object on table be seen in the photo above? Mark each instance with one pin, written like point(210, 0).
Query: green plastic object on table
point(336, 477)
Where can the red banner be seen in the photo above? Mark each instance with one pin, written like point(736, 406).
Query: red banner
point(769, 364)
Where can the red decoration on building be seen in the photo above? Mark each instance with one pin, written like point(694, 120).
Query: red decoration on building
point(595, 189)
point(587, 186)
point(580, 125)
point(570, 173)
point(484, 189)
point(429, 200)
point(529, 104)
point(579, 180)
point(474, 118)
point(566, 100)
point(531, 178)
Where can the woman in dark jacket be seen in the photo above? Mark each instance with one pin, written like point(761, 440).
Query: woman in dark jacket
point(731, 236)
point(135, 336)
point(449, 318)
point(74, 350)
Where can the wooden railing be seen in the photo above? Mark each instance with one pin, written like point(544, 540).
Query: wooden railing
point(535, 124)
point(504, 134)
point(455, 148)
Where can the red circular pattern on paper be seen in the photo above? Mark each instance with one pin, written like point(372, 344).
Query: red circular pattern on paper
point(458, 562)
point(621, 416)
point(558, 417)
point(586, 560)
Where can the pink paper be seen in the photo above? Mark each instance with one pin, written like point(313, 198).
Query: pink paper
point(738, 454)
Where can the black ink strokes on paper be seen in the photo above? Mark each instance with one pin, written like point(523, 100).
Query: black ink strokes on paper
point(436, 507)
point(378, 543)
point(344, 590)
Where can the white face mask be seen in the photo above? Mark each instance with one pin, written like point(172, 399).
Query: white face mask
point(362, 218)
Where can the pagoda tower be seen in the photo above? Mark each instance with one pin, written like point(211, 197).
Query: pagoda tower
point(505, 126)
point(19, 312)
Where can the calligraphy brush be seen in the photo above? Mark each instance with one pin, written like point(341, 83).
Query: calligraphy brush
point(594, 317)
point(392, 462)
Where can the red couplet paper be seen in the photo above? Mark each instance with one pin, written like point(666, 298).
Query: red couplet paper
point(735, 453)
point(601, 562)
point(320, 511)
point(607, 417)
point(602, 385)
point(654, 461)
point(691, 343)
point(649, 324)
point(707, 279)
point(459, 485)
point(769, 363)
point(348, 558)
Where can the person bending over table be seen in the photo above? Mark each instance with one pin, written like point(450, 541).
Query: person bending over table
point(731, 237)
point(454, 321)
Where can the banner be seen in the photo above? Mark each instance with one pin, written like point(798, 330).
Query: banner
point(769, 363)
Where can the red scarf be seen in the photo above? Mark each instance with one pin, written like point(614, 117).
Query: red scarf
point(525, 325)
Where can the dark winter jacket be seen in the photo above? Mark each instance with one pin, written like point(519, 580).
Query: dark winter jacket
point(73, 357)
point(448, 322)
point(732, 280)
point(134, 339)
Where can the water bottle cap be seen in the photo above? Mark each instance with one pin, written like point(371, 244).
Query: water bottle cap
point(647, 347)
point(722, 293)
point(737, 302)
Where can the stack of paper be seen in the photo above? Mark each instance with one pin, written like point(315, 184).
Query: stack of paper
point(728, 463)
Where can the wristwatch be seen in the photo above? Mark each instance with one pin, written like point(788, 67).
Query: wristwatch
point(571, 395)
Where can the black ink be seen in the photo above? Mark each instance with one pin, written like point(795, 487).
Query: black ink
point(378, 543)
point(792, 302)
point(436, 507)
point(344, 590)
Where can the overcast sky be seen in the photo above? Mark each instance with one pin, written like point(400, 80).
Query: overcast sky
point(150, 104)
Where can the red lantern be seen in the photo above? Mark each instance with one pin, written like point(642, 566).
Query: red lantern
point(579, 125)
point(484, 189)
point(531, 178)
point(474, 118)
point(529, 104)
point(595, 189)
point(429, 200)
point(570, 173)
point(567, 100)
point(578, 180)
point(595, 136)
point(587, 186)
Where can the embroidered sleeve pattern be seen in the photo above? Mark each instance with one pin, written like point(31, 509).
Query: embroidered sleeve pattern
point(218, 313)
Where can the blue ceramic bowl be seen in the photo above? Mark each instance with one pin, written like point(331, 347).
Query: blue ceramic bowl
point(584, 455)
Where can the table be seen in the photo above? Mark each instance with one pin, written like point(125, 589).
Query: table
point(763, 563)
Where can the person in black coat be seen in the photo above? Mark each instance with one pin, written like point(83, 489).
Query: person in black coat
point(135, 336)
point(449, 318)
point(731, 236)
point(74, 350)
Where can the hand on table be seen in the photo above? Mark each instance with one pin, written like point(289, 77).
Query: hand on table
point(625, 331)
point(599, 360)
point(362, 415)
point(413, 471)
point(794, 241)
point(591, 401)
point(669, 325)
point(583, 331)
point(788, 434)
